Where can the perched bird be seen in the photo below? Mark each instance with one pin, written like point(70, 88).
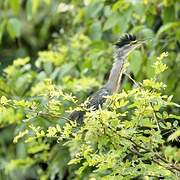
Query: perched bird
point(121, 50)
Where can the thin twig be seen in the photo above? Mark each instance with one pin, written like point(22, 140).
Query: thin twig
point(136, 83)
point(155, 117)
point(170, 167)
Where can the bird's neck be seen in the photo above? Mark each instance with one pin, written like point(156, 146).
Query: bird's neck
point(113, 83)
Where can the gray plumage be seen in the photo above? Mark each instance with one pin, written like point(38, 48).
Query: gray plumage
point(95, 100)
point(121, 50)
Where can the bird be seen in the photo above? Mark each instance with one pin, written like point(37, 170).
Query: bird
point(126, 44)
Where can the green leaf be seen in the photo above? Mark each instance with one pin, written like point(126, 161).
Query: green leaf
point(124, 16)
point(2, 27)
point(95, 31)
point(139, 9)
point(174, 136)
point(35, 5)
point(175, 123)
point(111, 22)
point(31, 8)
point(174, 116)
point(14, 27)
point(4, 100)
point(135, 62)
point(93, 9)
point(168, 14)
point(47, 2)
point(168, 26)
point(121, 4)
point(15, 6)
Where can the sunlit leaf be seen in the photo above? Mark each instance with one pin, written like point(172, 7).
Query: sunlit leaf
point(14, 27)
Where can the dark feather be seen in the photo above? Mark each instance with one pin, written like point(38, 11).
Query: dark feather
point(77, 116)
point(125, 40)
point(95, 100)
point(98, 98)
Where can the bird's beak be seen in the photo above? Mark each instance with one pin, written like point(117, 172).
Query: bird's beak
point(141, 42)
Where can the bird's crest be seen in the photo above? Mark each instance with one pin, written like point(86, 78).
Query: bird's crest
point(126, 39)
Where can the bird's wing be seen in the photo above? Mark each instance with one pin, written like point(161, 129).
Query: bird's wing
point(77, 116)
point(98, 98)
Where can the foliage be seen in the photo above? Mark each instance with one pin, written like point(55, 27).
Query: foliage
point(124, 139)
point(102, 21)
point(27, 26)
point(136, 133)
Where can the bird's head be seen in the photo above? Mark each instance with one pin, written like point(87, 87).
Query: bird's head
point(128, 43)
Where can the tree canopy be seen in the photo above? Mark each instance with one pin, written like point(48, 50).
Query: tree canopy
point(54, 54)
